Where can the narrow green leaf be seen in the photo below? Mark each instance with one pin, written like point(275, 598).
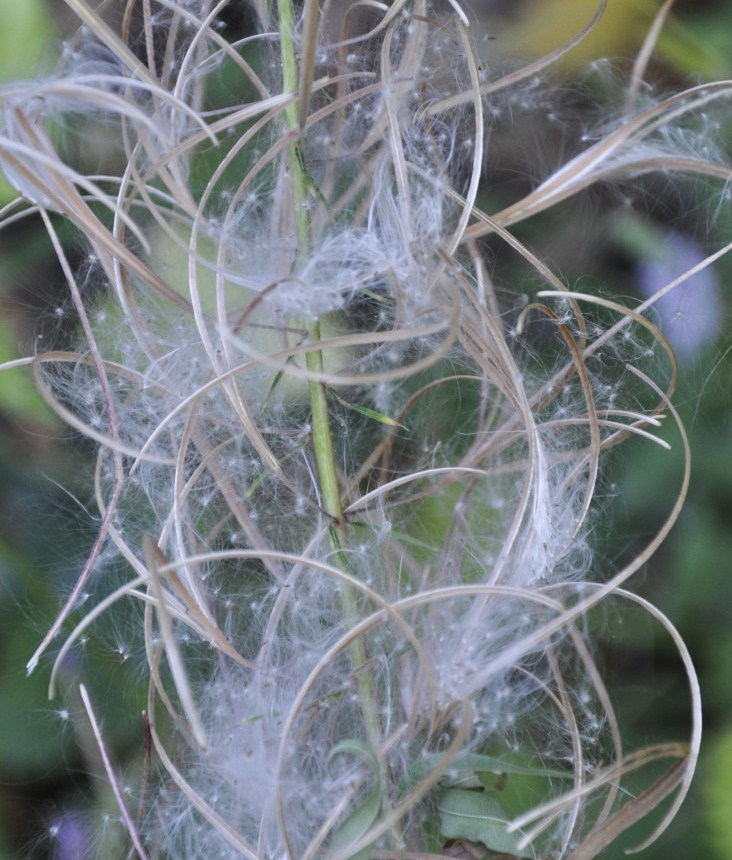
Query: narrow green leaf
point(487, 764)
point(364, 410)
point(484, 769)
point(275, 382)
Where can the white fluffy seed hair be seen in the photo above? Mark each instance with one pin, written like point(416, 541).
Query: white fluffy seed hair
point(261, 250)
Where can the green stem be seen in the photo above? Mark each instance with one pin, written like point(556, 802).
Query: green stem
point(300, 187)
point(298, 181)
point(322, 440)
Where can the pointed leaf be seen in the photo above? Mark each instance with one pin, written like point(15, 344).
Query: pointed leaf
point(358, 823)
point(477, 816)
point(364, 410)
point(364, 816)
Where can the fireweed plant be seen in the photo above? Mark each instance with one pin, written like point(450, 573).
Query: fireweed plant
point(351, 492)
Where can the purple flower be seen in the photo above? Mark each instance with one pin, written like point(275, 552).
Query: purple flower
point(71, 836)
point(690, 314)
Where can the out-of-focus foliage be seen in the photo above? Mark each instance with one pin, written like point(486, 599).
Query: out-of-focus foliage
point(692, 44)
point(718, 818)
point(26, 38)
point(26, 48)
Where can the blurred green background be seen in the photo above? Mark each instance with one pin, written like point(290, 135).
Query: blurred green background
point(48, 771)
